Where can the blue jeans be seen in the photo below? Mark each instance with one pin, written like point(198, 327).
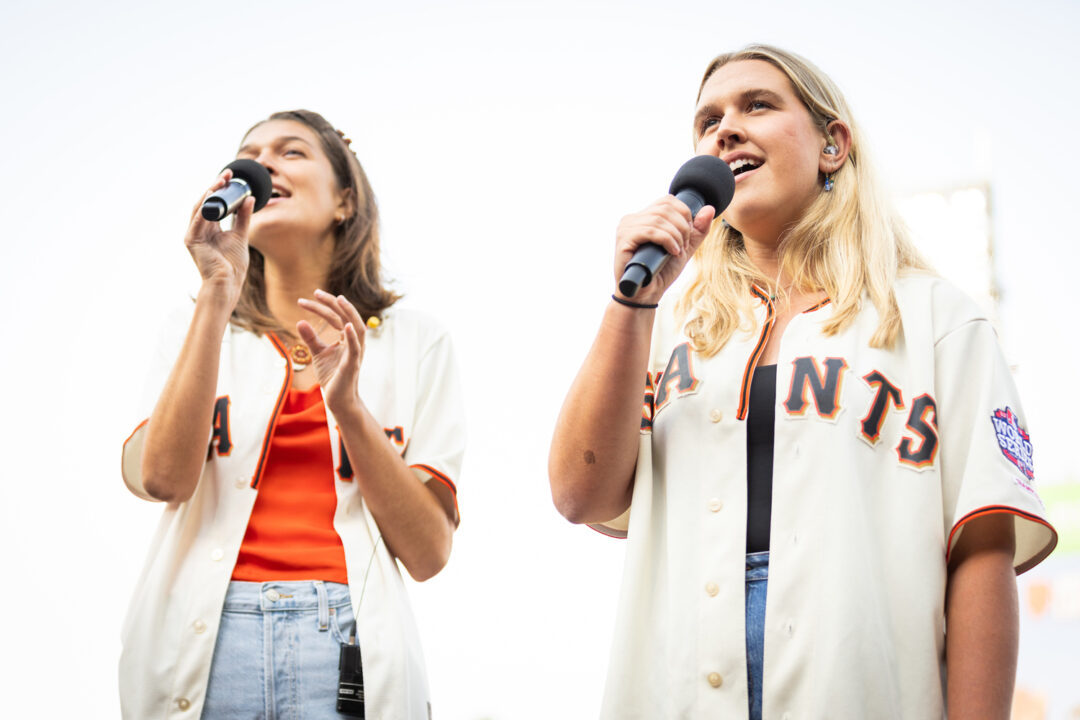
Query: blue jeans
point(277, 651)
point(757, 583)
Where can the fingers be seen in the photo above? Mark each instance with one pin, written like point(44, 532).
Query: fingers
point(353, 344)
point(703, 220)
point(336, 310)
point(325, 306)
point(353, 316)
point(220, 182)
point(310, 337)
point(665, 223)
point(702, 223)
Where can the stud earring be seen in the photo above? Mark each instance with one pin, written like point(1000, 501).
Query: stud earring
point(831, 150)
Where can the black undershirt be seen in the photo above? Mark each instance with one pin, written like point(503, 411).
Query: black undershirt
point(759, 458)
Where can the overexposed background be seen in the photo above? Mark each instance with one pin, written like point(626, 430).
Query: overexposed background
point(504, 141)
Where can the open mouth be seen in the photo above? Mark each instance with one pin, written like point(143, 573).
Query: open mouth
point(743, 165)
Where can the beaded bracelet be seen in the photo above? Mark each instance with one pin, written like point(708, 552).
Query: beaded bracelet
point(627, 303)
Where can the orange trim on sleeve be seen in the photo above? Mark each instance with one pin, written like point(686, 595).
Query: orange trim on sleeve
point(438, 476)
point(994, 510)
point(445, 481)
point(123, 449)
point(137, 429)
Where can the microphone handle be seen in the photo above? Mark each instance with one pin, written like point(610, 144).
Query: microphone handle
point(650, 257)
point(226, 200)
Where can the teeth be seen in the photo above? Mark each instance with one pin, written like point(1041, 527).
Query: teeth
point(736, 165)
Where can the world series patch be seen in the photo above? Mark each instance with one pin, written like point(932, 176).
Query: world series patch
point(1014, 441)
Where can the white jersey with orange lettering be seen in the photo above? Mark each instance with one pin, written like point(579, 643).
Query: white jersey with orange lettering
point(880, 458)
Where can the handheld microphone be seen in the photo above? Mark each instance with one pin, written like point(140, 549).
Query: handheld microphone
point(702, 180)
point(249, 178)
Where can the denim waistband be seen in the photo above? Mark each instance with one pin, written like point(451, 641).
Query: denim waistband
point(277, 596)
point(757, 565)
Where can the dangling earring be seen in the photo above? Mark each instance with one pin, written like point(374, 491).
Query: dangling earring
point(828, 183)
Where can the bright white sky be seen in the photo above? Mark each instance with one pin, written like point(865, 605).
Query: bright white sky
point(504, 141)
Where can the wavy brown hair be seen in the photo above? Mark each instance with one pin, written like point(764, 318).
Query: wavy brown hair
point(355, 268)
point(850, 242)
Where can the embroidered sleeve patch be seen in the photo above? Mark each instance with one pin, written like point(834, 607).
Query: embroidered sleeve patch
point(1014, 441)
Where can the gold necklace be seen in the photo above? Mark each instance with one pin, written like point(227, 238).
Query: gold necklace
point(300, 355)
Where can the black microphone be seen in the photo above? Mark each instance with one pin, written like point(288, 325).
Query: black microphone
point(249, 178)
point(702, 180)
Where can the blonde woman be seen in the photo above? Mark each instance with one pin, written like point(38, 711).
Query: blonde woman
point(831, 464)
point(304, 434)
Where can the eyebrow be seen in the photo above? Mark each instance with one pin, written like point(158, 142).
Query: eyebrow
point(744, 96)
point(279, 141)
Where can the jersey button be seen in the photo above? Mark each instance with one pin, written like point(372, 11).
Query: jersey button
point(183, 703)
point(241, 483)
point(715, 680)
point(716, 416)
point(716, 504)
point(198, 626)
point(216, 554)
point(712, 588)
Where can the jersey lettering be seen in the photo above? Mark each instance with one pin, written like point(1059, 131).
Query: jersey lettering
point(344, 469)
point(647, 403)
point(886, 394)
point(396, 435)
point(826, 390)
point(926, 429)
point(221, 436)
point(678, 373)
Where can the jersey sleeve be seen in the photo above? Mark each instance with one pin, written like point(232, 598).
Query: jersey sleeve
point(170, 340)
point(986, 449)
point(437, 445)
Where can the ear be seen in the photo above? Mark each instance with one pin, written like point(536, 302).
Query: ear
point(839, 136)
point(346, 204)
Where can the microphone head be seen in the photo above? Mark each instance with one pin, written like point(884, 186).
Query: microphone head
point(708, 176)
point(257, 177)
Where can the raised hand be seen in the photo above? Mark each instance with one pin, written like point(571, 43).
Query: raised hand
point(337, 364)
point(220, 255)
point(666, 223)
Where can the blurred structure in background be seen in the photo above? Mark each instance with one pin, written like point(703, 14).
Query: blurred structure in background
point(954, 230)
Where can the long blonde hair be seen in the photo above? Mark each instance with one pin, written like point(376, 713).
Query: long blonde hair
point(849, 243)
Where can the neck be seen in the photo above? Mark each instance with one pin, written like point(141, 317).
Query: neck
point(288, 282)
point(766, 257)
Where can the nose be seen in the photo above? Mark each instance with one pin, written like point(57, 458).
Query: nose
point(266, 159)
point(730, 133)
point(722, 137)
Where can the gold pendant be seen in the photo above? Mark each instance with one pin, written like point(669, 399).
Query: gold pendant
point(300, 356)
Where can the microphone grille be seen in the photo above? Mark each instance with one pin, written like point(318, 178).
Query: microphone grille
point(708, 176)
point(256, 176)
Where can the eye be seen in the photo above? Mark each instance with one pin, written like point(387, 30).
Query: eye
point(759, 105)
point(294, 151)
point(707, 123)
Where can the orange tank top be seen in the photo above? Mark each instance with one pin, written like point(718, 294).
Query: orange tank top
point(290, 535)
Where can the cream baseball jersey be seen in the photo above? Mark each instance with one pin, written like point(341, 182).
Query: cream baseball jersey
point(880, 457)
point(409, 382)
